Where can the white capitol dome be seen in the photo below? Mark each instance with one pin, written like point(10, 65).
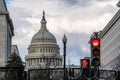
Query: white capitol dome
point(43, 48)
point(43, 36)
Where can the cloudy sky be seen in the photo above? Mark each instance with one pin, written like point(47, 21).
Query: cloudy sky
point(78, 19)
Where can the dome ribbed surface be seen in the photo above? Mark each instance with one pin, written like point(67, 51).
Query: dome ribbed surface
point(43, 36)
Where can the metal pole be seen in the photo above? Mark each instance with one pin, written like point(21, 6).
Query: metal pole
point(64, 61)
point(64, 54)
point(98, 73)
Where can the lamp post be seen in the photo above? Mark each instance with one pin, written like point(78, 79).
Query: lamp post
point(64, 54)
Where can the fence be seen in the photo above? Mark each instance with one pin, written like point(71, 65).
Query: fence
point(10, 73)
point(53, 74)
point(71, 74)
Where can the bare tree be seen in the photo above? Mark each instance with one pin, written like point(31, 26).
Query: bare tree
point(44, 72)
point(117, 64)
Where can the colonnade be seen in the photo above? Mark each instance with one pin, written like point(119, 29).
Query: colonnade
point(47, 61)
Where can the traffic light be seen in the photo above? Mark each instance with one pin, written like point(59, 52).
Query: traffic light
point(95, 51)
point(85, 63)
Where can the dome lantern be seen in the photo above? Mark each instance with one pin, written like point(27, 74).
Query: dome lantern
point(43, 35)
point(43, 22)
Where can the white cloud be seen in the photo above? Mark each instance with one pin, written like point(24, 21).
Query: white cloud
point(66, 18)
point(85, 49)
point(83, 17)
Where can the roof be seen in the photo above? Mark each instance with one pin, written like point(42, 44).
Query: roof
point(115, 18)
point(14, 48)
point(5, 12)
point(118, 4)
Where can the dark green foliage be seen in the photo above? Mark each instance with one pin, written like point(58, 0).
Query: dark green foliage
point(15, 61)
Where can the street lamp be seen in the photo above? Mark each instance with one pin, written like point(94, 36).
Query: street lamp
point(64, 54)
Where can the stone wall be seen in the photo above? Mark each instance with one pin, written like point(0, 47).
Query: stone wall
point(110, 42)
point(2, 40)
point(6, 33)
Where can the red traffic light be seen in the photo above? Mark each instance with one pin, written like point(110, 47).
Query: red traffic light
point(85, 63)
point(95, 42)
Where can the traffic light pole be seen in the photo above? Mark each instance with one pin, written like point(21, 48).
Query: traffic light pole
point(98, 73)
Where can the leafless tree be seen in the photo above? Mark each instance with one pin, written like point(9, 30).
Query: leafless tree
point(45, 73)
point(117, 64)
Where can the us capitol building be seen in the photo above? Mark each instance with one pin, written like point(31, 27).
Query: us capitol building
point(43, 51)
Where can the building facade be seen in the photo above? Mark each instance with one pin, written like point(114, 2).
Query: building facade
point(110, 44)
point(43, 50)
point(6, 33)
point(14, 49)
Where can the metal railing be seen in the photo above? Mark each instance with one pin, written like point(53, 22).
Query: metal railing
point(10, 73)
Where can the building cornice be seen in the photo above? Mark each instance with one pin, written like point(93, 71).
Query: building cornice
point(110, 24)
point(9, 20)
point(30, 56)
point(118, 4)
point(5, 5)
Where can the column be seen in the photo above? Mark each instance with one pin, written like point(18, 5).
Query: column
point(50, 61)
point(36, 61)
point(57, 62)
point(31, 62)
point(28, 62)
point(53, 61)
point(40, 60)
